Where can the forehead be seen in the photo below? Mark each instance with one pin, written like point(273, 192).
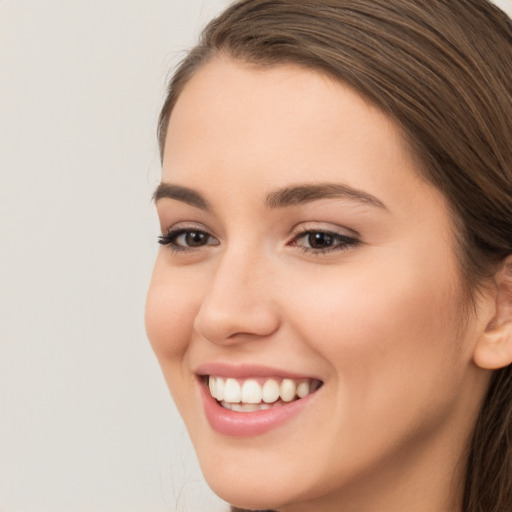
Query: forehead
point(286, 89)
point(286, 113)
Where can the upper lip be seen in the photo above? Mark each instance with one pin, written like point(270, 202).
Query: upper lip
point(243, 371)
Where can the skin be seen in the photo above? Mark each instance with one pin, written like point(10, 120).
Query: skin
point(381, 322)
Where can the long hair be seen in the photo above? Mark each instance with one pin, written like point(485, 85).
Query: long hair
point(442, 69)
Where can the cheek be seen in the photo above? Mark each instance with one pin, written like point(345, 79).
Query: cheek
point(390, 339)
point(170, 312)
point(386, 327)
point(169, 315)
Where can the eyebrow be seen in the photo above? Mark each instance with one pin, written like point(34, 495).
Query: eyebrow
point(282, 198)
point(300, 194)
point(183, 194)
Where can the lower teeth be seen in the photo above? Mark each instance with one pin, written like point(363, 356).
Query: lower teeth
point(240, 407)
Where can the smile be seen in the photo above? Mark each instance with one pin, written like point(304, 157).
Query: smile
point(251, 400)
point(257, 394)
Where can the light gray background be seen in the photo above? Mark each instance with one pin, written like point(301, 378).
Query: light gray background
point(86, 423)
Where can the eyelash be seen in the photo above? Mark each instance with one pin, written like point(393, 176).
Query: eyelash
point(169, 239)
point(339, 242)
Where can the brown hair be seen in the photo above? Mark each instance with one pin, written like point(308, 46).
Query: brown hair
point(443, 70)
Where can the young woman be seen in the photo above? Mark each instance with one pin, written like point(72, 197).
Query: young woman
point(331, 304)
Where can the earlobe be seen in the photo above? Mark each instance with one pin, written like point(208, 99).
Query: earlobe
point(493, 349)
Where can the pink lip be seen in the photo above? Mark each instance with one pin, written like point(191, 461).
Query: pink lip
point(245, 424)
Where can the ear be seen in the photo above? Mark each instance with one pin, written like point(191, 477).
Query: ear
point(493, 349)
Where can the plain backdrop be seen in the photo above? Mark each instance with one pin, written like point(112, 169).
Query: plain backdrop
point(87, 423)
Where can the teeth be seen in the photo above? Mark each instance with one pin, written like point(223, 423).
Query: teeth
point(251, 392)
point(219, 388)
point(248, 395)
point(246, 407)
point(303, 389)
point(213, 388)
point(232, 391)
point(287, 390)
point(270, 391)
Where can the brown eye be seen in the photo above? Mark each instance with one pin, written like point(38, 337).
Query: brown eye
point(320, 240)
point(195, 238)
point(183, 239)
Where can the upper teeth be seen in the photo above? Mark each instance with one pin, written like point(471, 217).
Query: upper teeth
point(250, 391)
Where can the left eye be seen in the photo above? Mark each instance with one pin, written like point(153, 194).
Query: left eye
point(187, 239)
point(323, 241)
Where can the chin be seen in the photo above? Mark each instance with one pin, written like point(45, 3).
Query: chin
point(259, 487)
point(247, 496)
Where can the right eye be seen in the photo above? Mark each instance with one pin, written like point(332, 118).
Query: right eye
point(185, 239)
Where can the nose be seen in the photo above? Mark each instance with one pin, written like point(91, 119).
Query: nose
point(238, 304)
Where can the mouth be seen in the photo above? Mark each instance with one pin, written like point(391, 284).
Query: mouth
point(258, 394)
point(252, 400)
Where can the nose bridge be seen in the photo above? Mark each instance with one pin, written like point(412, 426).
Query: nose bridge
point(238, 302)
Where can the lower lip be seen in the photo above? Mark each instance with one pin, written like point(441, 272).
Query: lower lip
point(245, 424)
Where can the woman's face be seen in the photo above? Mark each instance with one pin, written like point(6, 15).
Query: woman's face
point(302, 253)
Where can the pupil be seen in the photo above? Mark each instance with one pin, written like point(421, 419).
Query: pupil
point(195, 239)
point(320, 240)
